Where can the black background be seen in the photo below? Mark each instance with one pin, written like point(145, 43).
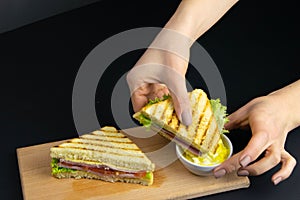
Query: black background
point(255, 45)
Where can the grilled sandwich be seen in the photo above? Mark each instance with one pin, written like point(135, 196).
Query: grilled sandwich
point(105, 154)
point(202, 136)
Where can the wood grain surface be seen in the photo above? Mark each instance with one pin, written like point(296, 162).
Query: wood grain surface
point(171, 179)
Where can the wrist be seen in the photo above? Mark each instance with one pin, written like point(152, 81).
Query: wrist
point(289, 97)
point(173, 42)
point(154, 56)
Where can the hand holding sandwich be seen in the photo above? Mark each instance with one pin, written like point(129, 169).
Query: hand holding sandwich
point(166, 60)
point(270, 118)
point(161, 71)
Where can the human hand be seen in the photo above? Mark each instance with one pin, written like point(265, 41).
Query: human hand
point(161, 71)
point(167, 63)
point(270, 120)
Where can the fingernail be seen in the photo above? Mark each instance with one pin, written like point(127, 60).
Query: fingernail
point(243, 172)
point(245, 161)
point(277, 180)
point(186, 117)
point(220, 173)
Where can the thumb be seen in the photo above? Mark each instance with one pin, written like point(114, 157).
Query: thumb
point(174, 80)
point(258, 143)
point(177, 87)
point(182, 106)
point(256, 146)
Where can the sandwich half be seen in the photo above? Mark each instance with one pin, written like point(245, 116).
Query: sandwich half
point(202, 136)
point(105, 154)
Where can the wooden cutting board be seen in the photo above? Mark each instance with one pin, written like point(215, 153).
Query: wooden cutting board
point(171, 179)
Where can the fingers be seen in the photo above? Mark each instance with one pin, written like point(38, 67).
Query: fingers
point(228, 166)
point(169, 70)
point(266, 136)
point(256, 146)
point(177, 87)
point(157, 74)
point(288, 165)
point(270, 160)
point(157, 91)
point(259, 167)
point(182, 107)
point(140, 97)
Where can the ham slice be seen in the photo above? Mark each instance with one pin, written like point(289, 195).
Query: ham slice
point(101, 170)
point(177, 140)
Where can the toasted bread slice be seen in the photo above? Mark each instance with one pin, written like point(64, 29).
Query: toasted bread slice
point(203, 134)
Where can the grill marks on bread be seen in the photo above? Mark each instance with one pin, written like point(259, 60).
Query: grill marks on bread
point(202, 133)
point(105, 147)
point(104, 142)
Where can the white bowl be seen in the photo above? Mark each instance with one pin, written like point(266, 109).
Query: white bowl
point(202, 170)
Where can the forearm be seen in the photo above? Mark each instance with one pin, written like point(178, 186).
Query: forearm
point(191, 19)
point(290, 96)
point(194, 17)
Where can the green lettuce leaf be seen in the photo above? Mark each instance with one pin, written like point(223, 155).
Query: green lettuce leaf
point(56, 169)
point(156, 100)
point(220, 114)
point(149, 175)
point(145, 121)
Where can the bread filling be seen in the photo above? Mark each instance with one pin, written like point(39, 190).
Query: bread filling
point(102, 170)
point(178, 140)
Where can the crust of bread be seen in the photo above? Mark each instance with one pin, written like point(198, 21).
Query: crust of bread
point(78, 174)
